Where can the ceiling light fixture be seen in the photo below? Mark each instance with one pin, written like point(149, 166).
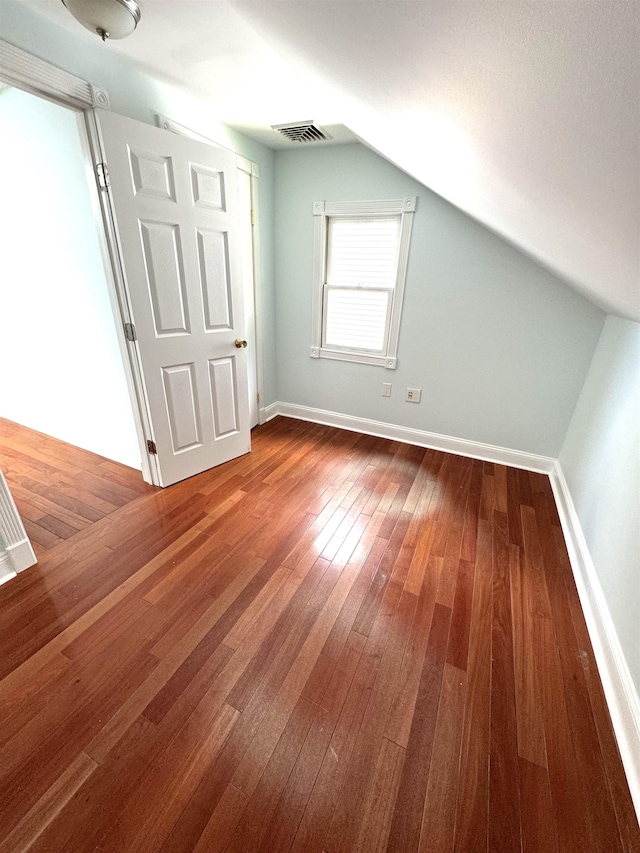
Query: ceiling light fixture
point(114, 19)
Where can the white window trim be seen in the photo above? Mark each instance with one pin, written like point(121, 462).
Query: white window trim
point(323, 209)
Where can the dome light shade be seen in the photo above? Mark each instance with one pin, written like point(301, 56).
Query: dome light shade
point(114, 19)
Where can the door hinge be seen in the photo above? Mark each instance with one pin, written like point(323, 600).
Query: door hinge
point(258, 399)
point(151, 447)
point(102, 174)
point(253, 218)
point(130, 331)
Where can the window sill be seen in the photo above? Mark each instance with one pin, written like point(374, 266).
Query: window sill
point(359, 358)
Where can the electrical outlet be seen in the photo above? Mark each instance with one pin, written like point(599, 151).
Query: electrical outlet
point(413, 395)
point(386, 389)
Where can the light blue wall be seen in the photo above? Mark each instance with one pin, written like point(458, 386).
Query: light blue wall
point(140, 96)
point(600, 459)
point(499, 346)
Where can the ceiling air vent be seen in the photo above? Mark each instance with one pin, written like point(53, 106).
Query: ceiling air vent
point(301, 131)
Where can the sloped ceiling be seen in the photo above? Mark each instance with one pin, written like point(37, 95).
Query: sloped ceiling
point(526, 115)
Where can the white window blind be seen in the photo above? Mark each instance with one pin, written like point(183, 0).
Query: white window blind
point(356, 318)
point(361, 271)
point(362, 252)
point(360, 259)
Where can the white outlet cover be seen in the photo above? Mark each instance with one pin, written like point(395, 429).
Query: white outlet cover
point(413, 395)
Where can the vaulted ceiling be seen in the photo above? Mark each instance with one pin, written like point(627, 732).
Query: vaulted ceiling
point(526, 115)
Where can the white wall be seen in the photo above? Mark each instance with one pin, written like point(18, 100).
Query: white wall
point(62, 370)
point(600, 460)
point(499, 346)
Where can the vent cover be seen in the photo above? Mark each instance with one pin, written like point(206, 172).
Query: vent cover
point(301, 131)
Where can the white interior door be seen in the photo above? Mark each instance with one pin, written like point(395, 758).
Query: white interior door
point(175, 205)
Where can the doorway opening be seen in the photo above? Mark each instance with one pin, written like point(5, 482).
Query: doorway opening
point(62, 367)
point(69, 380)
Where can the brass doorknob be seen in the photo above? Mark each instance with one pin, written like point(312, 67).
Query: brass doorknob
point(240, 343)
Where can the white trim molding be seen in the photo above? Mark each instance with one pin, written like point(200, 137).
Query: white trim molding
point(620, 692)
point(404, 208)
point(422, 438)
point(166, 123)
point(270, 412)
point(29, 72)
point(16, 553)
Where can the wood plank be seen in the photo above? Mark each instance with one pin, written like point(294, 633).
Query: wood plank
point(513, 508)
point(402, 712)
point(504, 790)
point(390, 634)
point(101, 795)
point(458, 648)
point(385, 573)
point(286, 817)
point(439, 813)
point(473, 789)
point(32, 763)
point(162, 791)
point(376, 824)
point(256, 818)
point(314, 826)
point(50, 804)
point(472, 513)
point(223, 822)
point(407, 816)
point(537, 820)
point(567, 789)
point(529, 661)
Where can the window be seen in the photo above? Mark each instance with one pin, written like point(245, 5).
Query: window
point(360, 262)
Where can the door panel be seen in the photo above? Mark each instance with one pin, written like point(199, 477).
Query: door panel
point(213, 255)
point(165, 277)
point(182, 406)
point(225, 403)
point(175, 205)
point(152, 175)
point(208, 188)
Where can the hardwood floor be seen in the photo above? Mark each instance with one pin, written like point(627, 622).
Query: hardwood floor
point(59, 489)
point(336, 643)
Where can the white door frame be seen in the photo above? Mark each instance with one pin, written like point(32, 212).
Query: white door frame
point(30, 73)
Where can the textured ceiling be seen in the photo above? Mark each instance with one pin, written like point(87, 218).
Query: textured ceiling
point(524, 114)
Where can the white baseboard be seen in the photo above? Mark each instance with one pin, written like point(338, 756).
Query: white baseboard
point(125, 455)
point(6, 567)
point(408, 435)
point(21, 555)
point(268, 413)
point(132, 460)
point(6, 575)
point(16, 553)
point(621, 694)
